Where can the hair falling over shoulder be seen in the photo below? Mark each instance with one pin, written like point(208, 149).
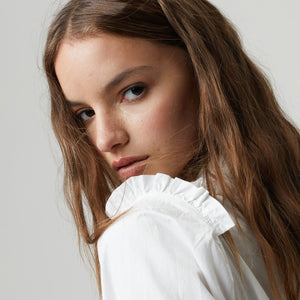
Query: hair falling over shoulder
point(240, 125)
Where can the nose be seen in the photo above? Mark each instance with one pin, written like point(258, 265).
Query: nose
point(110, 132)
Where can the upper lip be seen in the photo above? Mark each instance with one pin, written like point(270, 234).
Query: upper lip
point(126, 161)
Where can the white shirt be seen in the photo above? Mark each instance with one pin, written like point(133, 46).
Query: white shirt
point(169, 246)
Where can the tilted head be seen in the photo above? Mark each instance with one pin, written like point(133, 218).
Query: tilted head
point(136, 100)
point(193, 31)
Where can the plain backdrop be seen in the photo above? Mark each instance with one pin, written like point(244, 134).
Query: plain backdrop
point(39, 258)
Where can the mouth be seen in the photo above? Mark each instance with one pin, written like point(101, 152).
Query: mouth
point(130, 166)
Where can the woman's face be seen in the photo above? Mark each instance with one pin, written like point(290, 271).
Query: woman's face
point(136, 99)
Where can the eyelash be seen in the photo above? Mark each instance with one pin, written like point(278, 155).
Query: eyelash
point(131, 88)
point(80, 113)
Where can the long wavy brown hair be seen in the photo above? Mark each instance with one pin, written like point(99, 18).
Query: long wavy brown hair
point(240, 125)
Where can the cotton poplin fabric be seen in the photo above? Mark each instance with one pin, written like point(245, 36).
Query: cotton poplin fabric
point(169, 245)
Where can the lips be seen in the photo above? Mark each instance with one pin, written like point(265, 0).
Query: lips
point(130, 166)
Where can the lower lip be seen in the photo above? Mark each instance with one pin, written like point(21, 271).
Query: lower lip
point(134, 169)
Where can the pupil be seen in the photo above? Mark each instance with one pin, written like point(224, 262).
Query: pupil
point(137, 90)
point(89, 113)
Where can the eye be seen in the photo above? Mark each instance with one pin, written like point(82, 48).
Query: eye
point(134, 92)
point(85, 114)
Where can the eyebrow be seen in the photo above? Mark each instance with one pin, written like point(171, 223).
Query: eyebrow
point(117, 80)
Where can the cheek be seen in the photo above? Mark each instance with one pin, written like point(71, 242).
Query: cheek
point(161, 122)
point(165, 118)
point(171, 115)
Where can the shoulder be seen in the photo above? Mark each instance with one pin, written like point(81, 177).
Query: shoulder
point(150, 253)
point(188, 214)
point(161, 224)
point(142, 228)
point(171, 197)
point(168, 244)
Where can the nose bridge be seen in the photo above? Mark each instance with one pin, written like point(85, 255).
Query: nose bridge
point(110, 130)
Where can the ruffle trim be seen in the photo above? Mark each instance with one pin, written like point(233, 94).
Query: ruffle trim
point(135, 187)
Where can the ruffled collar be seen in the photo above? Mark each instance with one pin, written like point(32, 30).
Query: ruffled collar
point(123, 197)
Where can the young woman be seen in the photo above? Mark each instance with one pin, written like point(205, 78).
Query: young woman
point(155, 104)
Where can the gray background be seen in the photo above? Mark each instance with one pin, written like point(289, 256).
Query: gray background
point(38, 251)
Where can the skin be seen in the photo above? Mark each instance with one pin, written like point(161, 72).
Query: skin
point(149, 112)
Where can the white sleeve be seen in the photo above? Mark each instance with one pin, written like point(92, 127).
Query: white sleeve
point(145, 255)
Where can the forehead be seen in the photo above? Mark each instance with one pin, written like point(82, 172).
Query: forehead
point(103, 57)
point(114, 48)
